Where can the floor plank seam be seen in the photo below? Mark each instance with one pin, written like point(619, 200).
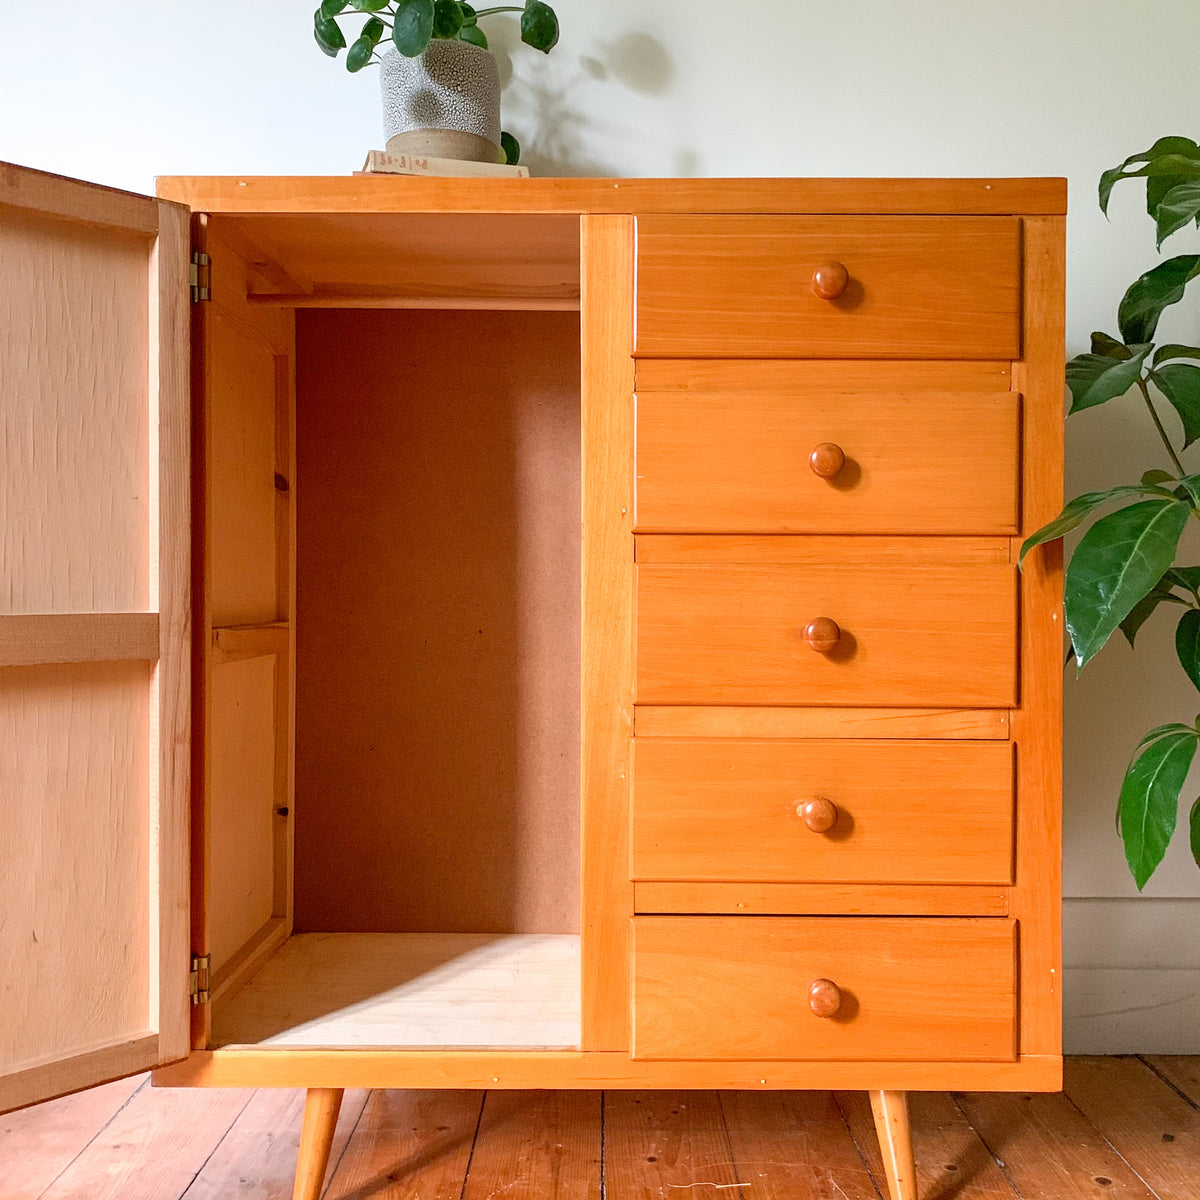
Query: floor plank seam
point(1169, 1082)
point(1133, 1170)
point(737, 1173)
point(880, 1185)
point(83, 1149)
point(1001, 1165)
point(603, 1148)
point(217, 1144)
point(474, 1142)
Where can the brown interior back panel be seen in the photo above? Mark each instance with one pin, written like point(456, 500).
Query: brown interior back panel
point(437, 708)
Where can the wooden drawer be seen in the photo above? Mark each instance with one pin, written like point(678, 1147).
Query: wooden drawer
point(731, 809)
point(722, 621)
point(911, 989)
point(730, 462)
point(742, 286)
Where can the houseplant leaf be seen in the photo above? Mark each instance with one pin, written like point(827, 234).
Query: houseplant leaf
point(1179, 207)
point(1170, 157)
point(539, 26)
point(448, 18)
point(1078, 509)
point(412, 26)
point(474, 35)
point(1180, 383)
point(329, 36)
point(1194, 830)
point(1187, 644)
point(1097, 378)
point(1116, 563)
point(1174, 350)
point(1144, 609)
point(360, 52)
point(1187, 578)
point(511, 148)
point(1143, 303)
point(331, 8)
point(369, 6)
point(1149, 800)
point(1109, 347)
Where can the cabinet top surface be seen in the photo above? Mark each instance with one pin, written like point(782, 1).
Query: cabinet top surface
point(400, 193)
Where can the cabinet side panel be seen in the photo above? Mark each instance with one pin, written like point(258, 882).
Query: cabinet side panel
point(1037, 722)
point(607, 636)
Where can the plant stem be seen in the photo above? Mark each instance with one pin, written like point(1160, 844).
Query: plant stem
point(1162, 433)
point(487, 12)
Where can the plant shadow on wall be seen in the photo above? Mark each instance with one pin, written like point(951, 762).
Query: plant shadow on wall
point(1124, 568)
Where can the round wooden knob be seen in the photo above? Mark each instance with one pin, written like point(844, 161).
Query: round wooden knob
point(827, 459)
point(819, 814)
point(830, 280)
point(822, 635)
point(824, 997)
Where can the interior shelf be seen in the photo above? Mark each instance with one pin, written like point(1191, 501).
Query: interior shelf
point(410, 991)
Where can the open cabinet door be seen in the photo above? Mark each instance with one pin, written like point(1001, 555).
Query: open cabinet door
point(94, 634)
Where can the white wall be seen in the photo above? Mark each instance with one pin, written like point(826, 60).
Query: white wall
point(119, 92)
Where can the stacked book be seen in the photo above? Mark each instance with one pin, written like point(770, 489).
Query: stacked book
point(379, 162)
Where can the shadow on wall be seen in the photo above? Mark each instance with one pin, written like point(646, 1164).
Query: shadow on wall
point(544, 108)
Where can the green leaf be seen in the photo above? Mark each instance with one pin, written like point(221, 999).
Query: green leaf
point(1169, 156)
point(1109, 347)
point(1187, 644)
point(1179, 207)
point(1097, 378)
point(1142, 611)
point(1143, 303)
point(373, 28)
point(1194, 830)
point(1116, 563)
point(474, 35)
point(1173, 350)
point(511, 148)
point(447, 19)
point(1077, 510)
point(331, 8)
point(328, 34)
point(360, 53)
point(1180, 383)
point(1149, 800)
point(1160, 731)
point(539, 26)
point(1154, 477)
point(369, 6)
point(1187, 578)
point(412, 26)
point(469, 14)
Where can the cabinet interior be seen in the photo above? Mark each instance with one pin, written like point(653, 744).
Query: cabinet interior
point(390, 664)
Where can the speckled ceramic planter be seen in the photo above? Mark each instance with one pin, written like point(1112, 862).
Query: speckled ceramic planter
point(445, 103)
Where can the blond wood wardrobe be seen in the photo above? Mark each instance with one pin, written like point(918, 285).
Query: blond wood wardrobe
point(530, 634)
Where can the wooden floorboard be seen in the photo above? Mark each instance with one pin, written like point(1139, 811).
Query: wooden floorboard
point(1123, 1129)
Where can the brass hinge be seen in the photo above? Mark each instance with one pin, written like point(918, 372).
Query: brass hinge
point(200, 276)
point(198, 978)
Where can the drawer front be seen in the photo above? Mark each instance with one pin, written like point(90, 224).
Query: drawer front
point(839, 811)
point(905, 989)
point(742, 286)
point(735, 633)
point(829, 463)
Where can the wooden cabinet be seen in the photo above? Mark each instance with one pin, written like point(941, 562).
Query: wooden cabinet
point(578, 644)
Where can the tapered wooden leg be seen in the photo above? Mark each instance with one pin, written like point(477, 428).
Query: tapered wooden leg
point(321, 1107)
point(895, 1141)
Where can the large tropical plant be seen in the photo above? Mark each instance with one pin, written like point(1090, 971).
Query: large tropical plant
point(1124, 569)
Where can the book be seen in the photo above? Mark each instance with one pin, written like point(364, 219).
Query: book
point(380, 162)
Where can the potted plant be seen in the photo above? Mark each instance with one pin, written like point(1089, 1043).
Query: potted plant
point(440, 84)
point(1124, 568)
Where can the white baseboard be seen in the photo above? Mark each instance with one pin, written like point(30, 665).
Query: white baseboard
point(1131, 980)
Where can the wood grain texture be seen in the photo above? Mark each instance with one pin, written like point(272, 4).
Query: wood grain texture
point(811, 377)
point(741, 287)
point(431, 990)
point(719, 633)
point(748, 978)
point(772, 899)
point(390, 1068)
point(424, 259)
point(1037, 722)
point(42, 638)
point(608, 626)
point(1181, 1071)
point(790, 1144)
point(890, 1110)
point(736, 463)
point(321, 1108)
point(62, 1073)
point(1154, 1128)
point(438, 624)
point(235, 643)
point(72, 200)
point(408, 1143)
point(815, 550)
point(365, 193)
point(1049, 1148)
point(753, 722)
point(908, 812)
point(537, 1144)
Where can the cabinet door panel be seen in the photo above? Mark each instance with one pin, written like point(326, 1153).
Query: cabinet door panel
point(94, 630)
